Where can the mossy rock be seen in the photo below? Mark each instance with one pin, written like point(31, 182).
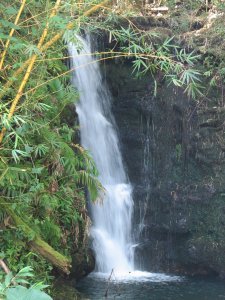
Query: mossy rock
point(66, 290)
point(83, 263)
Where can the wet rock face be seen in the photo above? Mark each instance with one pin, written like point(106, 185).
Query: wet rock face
point(174, 150)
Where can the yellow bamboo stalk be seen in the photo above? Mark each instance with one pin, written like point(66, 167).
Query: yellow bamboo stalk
point(11, 33)
point(28, 72)
point(34, 57)
point(48, 45)
point(44, 34)
point(9, 83)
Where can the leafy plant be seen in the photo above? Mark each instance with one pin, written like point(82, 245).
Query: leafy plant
point(12, 287)
point(43, 173)
point(148, 56)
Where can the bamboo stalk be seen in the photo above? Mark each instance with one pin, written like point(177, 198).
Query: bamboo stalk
point(9, 83)
point(48, 45)
point(28, 72)
point(11, 33)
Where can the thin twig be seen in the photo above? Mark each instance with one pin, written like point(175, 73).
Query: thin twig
point(108, 282)
point(4, 266)
point(6, 270)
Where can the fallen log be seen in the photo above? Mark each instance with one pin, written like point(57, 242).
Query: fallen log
point(36, 243)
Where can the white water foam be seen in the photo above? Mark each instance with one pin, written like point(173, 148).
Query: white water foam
point(137, 276)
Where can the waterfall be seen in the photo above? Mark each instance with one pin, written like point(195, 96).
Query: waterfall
point(111, 230)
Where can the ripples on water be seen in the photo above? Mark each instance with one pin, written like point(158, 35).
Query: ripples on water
point(150, 286)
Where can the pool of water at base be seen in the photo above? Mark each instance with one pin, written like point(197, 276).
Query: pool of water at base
point(150, 286)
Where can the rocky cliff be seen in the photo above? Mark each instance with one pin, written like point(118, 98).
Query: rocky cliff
point(174, 149)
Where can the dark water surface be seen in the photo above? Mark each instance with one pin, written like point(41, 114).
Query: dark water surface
point(152, 287)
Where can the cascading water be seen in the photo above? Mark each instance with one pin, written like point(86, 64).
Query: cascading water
point(111, 229)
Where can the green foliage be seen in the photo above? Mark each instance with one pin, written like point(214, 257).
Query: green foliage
point(43, 172)
point(12, 287)
point(166, 58)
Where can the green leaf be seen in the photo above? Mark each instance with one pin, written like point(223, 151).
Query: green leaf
point(39, 286)
point(7, 37)
point(26, 271)
point(32, 49)
point(22, 293)
point(8, 279)
point(37, 170)
point(10, 10)
point(28, 149)
point(17, 153)
point(6, 23)
point(21, 280)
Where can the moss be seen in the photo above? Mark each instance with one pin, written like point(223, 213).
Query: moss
point(65, 290)
point(36, 243)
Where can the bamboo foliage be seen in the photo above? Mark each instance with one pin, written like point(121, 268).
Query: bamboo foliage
point(47, 45)
point(30, 62)
point(28, 72)
point(70, 26)
point(11, 33)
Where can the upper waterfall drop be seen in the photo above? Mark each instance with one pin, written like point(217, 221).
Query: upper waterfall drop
point(111, 230)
